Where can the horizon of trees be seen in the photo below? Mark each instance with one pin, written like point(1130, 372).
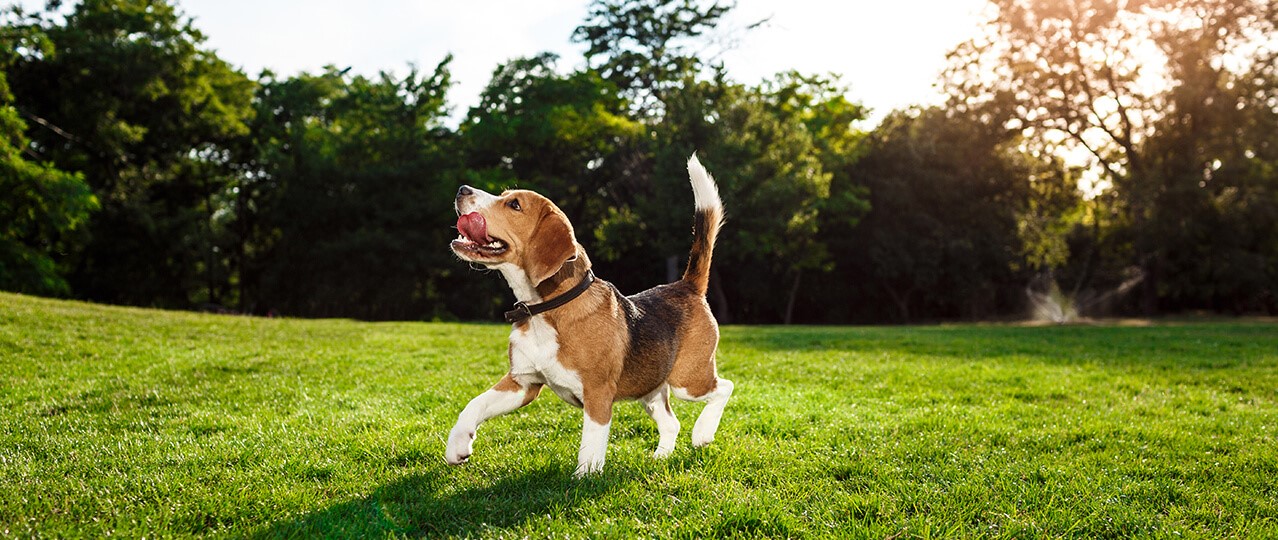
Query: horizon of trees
point(139, 168)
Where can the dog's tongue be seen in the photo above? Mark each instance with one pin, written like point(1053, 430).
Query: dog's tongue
point(473, 227)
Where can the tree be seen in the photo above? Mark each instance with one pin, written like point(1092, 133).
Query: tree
point(940, 239)
point(569, 136)
point(41, 206)
point(642, 47)
point(1108, 77)
point(762, 145)
point(774, 149)
point(821, 104)
point(125, 95)
point(1215, 213)
point(558, 133)
point(348, 203)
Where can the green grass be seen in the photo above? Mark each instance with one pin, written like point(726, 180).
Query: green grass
point(130, 422)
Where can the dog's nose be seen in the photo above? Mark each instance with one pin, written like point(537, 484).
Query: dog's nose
point(464, 191)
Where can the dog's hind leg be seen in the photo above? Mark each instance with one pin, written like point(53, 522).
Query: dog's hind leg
point(657, 405)
point(695, 377)
point(507, 395)
point(716, 399)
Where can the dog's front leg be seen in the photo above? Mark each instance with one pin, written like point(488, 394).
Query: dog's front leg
point(507, 395)
point(596, 423)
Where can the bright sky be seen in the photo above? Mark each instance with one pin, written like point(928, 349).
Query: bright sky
point(888, 52)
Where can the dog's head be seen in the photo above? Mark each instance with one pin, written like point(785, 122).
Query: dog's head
point(517, 227)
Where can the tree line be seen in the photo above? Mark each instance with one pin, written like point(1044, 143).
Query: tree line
point(1086, 147)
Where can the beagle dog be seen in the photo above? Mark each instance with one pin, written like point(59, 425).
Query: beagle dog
point(583, 339)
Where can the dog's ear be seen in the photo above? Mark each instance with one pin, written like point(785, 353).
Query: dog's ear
point(551, 247)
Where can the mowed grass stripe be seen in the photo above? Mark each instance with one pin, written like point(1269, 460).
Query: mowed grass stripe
point(133, 422)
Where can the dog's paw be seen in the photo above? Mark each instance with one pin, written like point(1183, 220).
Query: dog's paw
point(587, 468)
point(459, 445)
point(700, 440)
point(663, 452)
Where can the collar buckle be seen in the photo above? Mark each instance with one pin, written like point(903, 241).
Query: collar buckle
point(519, 314)
point(523, 311)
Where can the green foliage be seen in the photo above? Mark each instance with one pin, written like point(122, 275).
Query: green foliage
point(351, 182)
point(330, 195)
point(643, 46)
point(771, 177)
point(561, 134)
point(126, 96)
point(42, 205)
point(128, 423)
point(1053, 209)
point(768, 148)
point(944, 199)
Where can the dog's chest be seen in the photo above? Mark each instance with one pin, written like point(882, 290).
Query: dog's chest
point(534, 359)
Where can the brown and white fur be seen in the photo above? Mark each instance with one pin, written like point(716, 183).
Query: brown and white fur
point(601, 347)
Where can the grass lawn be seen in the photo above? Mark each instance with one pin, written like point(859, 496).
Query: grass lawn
point(130, 423)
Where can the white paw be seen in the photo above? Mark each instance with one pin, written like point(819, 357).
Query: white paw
point(663, 452)
point(459, 442)
point(700, 438)
point(588, 467)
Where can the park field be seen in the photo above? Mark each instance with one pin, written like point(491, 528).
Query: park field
point(135, 423)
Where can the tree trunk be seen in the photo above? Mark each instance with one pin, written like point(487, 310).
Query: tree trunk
point(1149, 286)
point(210, 245)
point(794, 294)
point(241, 250)
point(902, 301)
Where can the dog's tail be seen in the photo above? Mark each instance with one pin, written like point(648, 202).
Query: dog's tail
point(705, 225)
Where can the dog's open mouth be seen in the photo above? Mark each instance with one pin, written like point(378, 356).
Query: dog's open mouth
point(474, 239)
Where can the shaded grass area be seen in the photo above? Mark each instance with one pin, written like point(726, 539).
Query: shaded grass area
point(129, 422)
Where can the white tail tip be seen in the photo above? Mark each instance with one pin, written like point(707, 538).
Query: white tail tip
point(703, 188)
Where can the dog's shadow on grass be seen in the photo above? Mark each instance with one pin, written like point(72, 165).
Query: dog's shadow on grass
point(428, 504)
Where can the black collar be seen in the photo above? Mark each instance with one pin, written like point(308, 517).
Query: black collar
point(523, 311)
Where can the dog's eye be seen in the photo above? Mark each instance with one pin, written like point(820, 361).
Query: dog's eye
point(514, 205)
